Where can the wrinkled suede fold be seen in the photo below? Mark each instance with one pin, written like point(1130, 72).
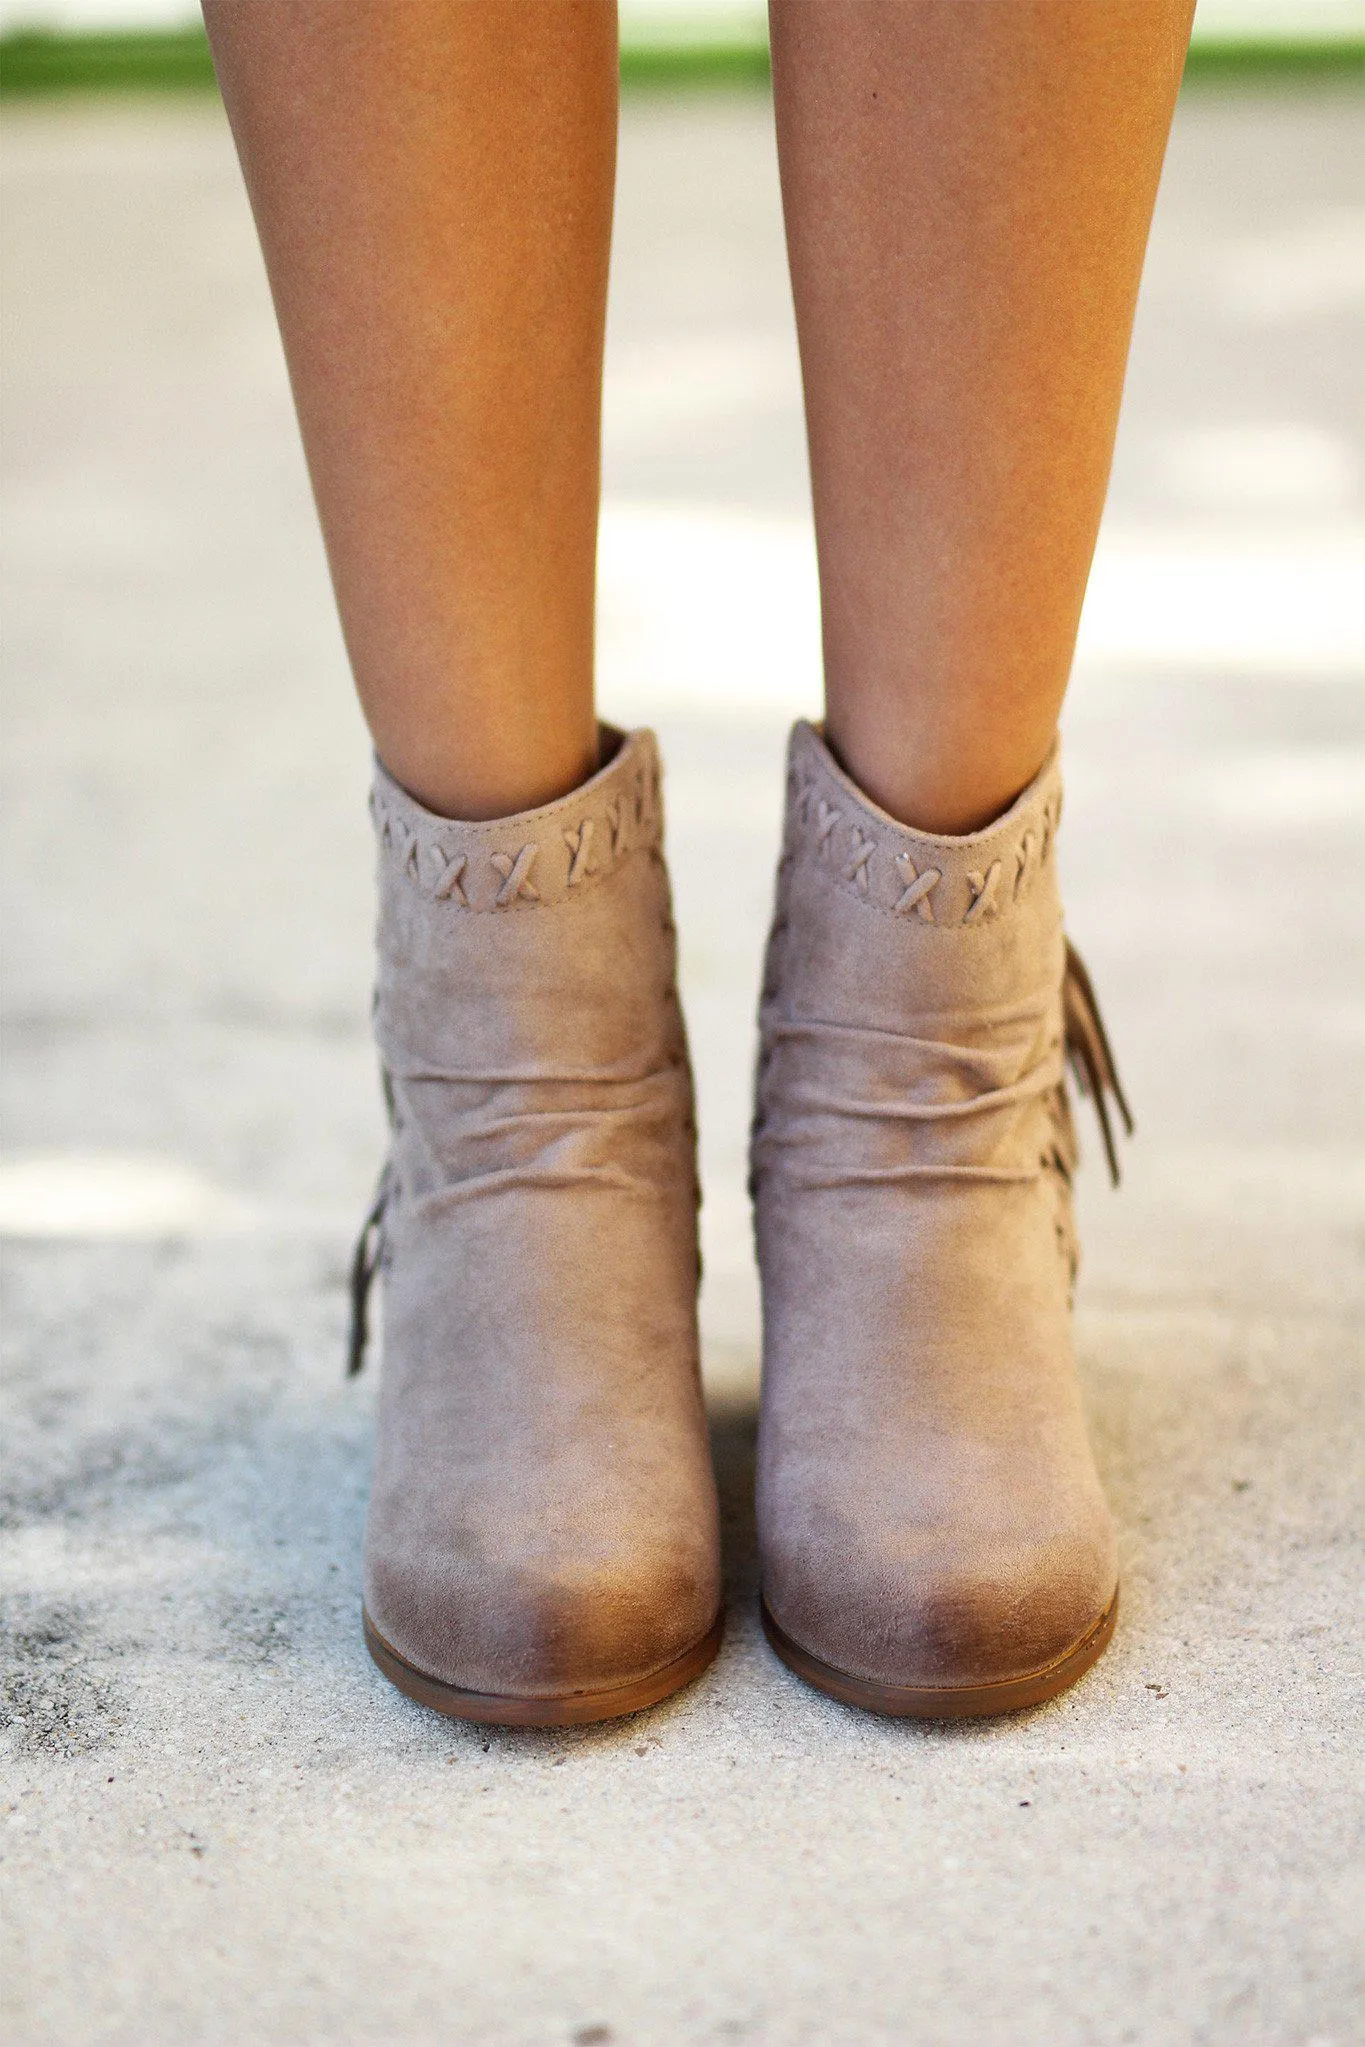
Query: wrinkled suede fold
point(929, 1510)
point(543, 1517)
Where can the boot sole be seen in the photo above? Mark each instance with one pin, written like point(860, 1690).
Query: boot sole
point(566, 1709)
point(945, 1702)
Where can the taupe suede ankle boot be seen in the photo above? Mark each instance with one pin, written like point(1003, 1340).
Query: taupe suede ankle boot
point(933, 1534)
point(542, 1544)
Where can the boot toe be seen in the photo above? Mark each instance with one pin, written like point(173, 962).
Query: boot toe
point(910, 1617)
point(540, 1626)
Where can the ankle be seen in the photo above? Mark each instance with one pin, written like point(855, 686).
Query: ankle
point(936, 788)
point(476, 784)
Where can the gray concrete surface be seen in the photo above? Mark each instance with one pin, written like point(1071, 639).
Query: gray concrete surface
point(219, 1824)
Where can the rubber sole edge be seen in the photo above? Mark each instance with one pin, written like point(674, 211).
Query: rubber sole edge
point(942, 1702)
point(569, 1709)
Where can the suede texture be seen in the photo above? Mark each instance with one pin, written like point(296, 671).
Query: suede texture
point(929, 1510)
point(543, 1517)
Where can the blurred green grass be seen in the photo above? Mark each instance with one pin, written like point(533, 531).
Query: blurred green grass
point(34, 61)
point(39, 61)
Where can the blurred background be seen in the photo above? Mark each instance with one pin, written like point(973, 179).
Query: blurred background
point(221, 1825)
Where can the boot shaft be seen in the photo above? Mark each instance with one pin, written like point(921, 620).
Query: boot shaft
point(912, 1011)
point(526, 979)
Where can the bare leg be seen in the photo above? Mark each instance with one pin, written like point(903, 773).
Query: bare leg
point(968, 188)
point(433, 187)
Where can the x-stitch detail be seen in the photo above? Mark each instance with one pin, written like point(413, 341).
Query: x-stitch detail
point(1023, 859)
point(915, 895)
point(579, 844)
point(990, 889)
point(983, 887)
point(406, 844)
point(863, 849)
point(635, 819)
point(516, 876)
point(396, 838)
point(619, 817)
point(805, 790)
point(828, 817)
point(1048, 827)
point(450, 881)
